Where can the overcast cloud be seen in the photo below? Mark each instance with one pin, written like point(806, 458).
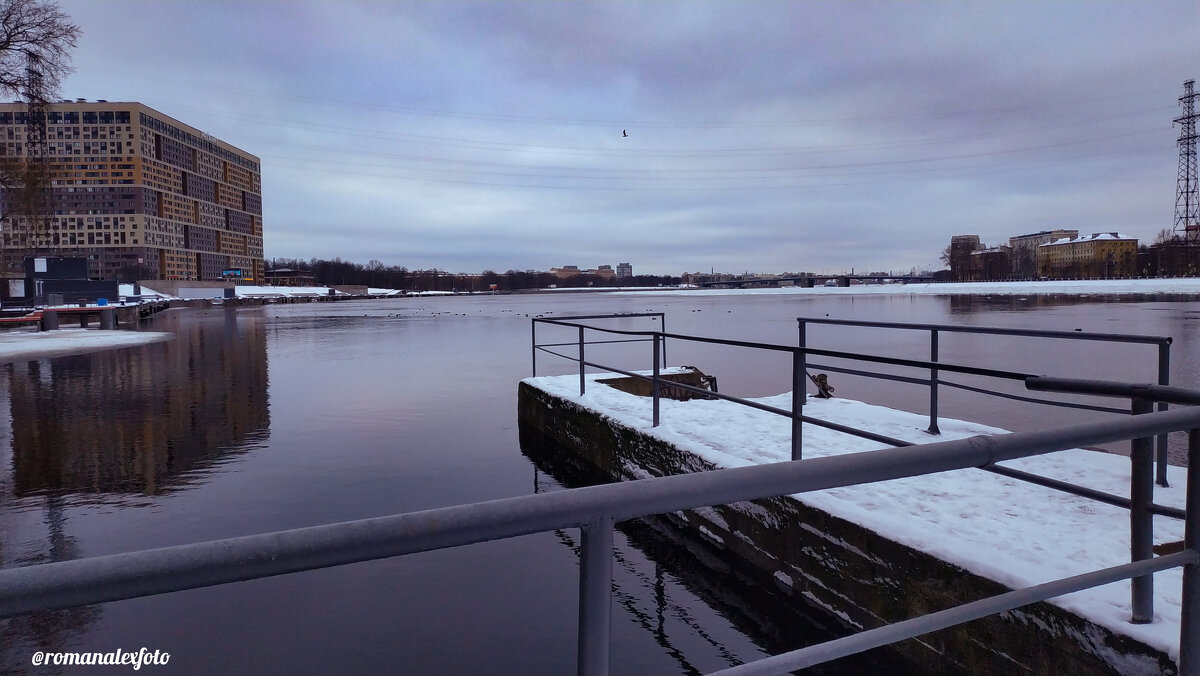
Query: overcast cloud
point(763, 136)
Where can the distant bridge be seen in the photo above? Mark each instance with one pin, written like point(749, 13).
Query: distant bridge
point(817, 280)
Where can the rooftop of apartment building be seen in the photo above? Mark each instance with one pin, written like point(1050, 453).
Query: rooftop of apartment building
point(1094, 237)
point(190, 134)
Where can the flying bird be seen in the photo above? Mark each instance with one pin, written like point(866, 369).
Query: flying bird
point(624, 133)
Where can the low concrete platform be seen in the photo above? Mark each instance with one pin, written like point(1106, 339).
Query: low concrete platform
point(856, 575)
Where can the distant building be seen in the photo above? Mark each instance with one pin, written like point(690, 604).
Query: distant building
point(140, 195)
point(624, 270)
point(1104, 254)
point(1025, 248)
point(706, 277)
point(987, 265)
point(958, 255)
point(289, 277)
point(970, 242)
point(567, 271)
point(1169, 259)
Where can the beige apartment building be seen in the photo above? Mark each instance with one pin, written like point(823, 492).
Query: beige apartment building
point(568, 271)
point(1025, 248)
point(1105, 254)
point(141, 195)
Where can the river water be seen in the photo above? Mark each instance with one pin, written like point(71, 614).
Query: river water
point(256, 420)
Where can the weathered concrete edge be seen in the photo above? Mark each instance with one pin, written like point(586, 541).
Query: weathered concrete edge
point(858, 576)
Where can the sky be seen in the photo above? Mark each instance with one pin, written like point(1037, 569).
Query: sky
point(762, 136)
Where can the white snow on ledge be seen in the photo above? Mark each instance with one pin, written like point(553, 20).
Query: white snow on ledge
point(28, 343)
point(1010, 531)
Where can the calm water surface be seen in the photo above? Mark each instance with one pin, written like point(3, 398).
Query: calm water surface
point(257, 420)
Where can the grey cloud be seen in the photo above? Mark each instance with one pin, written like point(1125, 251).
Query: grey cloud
point(765, 135)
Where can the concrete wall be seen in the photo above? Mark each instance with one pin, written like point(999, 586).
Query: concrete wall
point(854, 575)
point(171, 287)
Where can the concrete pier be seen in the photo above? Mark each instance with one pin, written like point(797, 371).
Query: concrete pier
point(848, 573)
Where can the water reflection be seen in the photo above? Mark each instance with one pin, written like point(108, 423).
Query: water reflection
point(682, 567)
point(114, 425)
point(1014, 303)
point(406, 404)
point(140, 420)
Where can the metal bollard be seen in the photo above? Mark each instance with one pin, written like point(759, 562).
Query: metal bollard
point(108, 318)
point(49, 320)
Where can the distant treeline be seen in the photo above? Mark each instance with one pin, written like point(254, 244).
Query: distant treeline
point(377, 275)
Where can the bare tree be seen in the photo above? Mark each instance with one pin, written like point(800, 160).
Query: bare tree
point(957, 257)
point(35, 43)
point(1165, 236)
point(34, 36)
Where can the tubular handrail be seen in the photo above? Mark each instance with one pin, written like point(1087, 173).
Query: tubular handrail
point(801, 352)
point(660, 316)
point(949, 383)
point(775, 347)
point(1100, 388)
point(1163, 344)
point(595, 509)
point(1174, 395)
point(614, 315)
point(995, 330)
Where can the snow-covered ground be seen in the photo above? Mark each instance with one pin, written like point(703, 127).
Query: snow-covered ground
point(1190, 285)
point(1180, 285)
point(1009, 531)
point(263, 292)
point(29, 343)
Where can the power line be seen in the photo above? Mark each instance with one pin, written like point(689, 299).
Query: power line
point(1070, 103)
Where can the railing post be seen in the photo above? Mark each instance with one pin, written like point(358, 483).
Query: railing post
point(1189, 624)
point(1141, 521)
point(595, 596)
point(933, 383)
point(581, 366)
point(799, 391)
point(533, 341)
point(654, 384)
point(662, 325)
point(1164, 378)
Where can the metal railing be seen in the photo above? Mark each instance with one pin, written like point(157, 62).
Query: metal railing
point(800, 365)
point(595, 510)
point(1163, 344)
point(1140, 503)
point(660, 316)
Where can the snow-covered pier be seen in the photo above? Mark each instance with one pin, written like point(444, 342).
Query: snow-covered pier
point(880, 553)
